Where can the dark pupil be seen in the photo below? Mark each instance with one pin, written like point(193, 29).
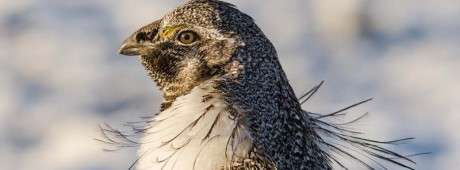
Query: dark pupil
point(187, 37)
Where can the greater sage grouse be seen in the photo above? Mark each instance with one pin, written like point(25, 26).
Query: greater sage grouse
point(228, 103)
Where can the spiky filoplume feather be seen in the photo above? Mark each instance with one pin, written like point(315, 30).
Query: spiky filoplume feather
point(228, 103)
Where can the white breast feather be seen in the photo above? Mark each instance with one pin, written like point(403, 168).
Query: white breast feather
point(179, 138)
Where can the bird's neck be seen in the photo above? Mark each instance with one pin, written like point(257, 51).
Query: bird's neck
point(273, 115)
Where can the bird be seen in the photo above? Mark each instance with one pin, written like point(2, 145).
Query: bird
point(228, 104)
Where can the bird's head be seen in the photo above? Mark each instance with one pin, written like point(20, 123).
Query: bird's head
point(197, 41)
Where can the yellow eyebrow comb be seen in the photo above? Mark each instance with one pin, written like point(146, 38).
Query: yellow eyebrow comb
point(169, 31)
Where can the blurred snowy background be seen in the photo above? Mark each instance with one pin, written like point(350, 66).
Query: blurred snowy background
point(61, 76)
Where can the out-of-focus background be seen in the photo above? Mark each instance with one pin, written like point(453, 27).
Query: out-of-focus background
point(61, 76)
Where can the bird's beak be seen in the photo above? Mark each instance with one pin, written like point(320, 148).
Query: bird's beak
point(130, 47)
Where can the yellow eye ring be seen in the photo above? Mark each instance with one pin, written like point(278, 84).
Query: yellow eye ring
point(188, 37)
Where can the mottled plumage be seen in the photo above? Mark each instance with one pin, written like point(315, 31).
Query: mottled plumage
point(227, 101)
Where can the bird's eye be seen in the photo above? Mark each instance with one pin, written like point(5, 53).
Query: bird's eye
point(188, 37)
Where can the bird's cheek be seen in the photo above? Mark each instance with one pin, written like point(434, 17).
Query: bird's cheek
point(150, 52)
point(219, 53)
point(156, 50)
